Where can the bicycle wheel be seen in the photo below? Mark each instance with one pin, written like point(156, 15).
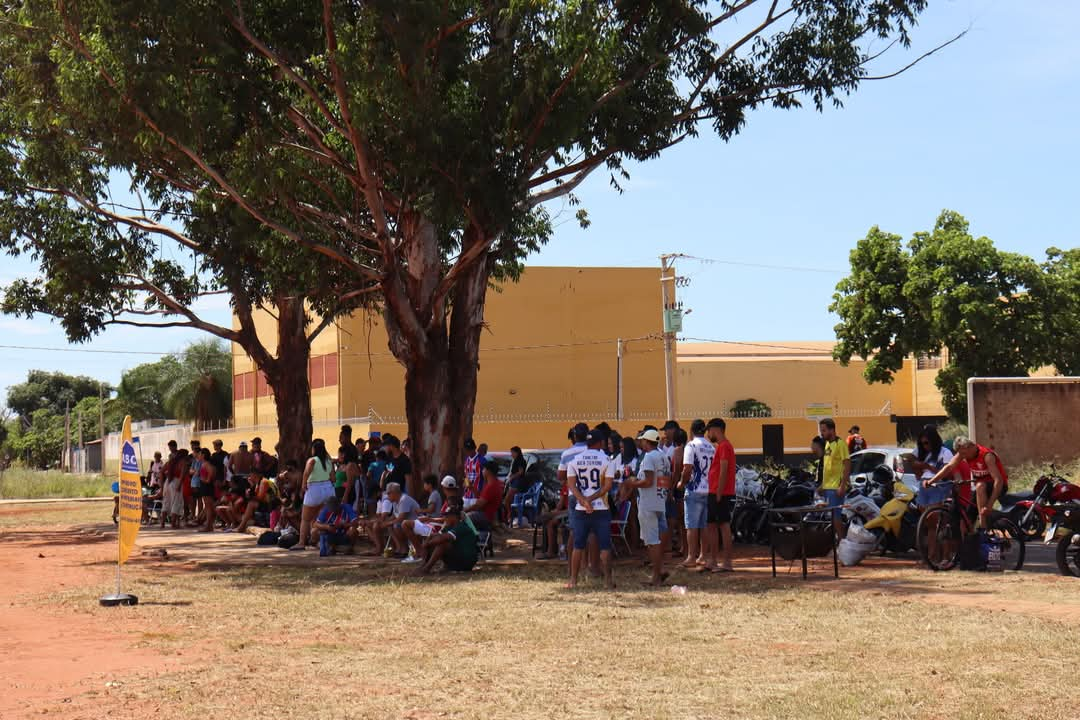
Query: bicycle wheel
point(938, 539)
point(1012, 542)
point(1068, 554)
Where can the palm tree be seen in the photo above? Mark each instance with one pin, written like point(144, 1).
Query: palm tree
point(199, 386)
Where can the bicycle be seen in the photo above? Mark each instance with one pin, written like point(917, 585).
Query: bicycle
point(943, 528)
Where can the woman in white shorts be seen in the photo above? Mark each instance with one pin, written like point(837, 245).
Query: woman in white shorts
point(317, 488)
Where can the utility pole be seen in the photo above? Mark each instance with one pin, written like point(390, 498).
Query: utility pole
point(101, 422)
point(672, 315)
point(82, 450)
point(66, 464)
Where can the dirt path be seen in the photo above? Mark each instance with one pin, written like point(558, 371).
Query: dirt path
point(52, 659)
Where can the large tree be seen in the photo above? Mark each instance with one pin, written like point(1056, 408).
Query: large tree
point(413, 144)
point(990, 309)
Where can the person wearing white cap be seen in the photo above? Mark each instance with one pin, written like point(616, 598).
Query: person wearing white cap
point(652, 483)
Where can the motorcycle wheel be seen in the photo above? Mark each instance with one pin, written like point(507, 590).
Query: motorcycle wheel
point(1035, 526)
point(1068, 554)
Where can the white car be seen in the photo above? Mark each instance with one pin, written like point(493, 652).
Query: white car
point(865, 462)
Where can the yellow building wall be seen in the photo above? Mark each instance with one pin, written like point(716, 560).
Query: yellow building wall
point(548, 358)
point(548, 349)
point(789, 386)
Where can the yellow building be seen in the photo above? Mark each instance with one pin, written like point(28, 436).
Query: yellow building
point(549, 356)
point(798, 380)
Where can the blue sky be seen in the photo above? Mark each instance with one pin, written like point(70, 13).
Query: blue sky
point(986, 127)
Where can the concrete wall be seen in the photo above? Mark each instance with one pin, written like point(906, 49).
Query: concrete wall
point(1026, 419)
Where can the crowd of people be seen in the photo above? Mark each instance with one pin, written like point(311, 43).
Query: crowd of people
point(675, 489)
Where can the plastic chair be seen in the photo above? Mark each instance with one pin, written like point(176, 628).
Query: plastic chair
point(527, 504)
point(619, 524)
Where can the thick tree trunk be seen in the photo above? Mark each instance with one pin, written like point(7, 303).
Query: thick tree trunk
point(437, 340)
point(287, 376)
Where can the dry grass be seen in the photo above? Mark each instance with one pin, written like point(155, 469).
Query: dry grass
point(52, 514)
point(1023, 477)
point(509, 642)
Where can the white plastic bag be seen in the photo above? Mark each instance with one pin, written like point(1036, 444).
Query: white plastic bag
point(851, 553)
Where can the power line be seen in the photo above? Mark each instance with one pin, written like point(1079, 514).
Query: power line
point(84, 350)
point(581, 343)
point(754, 344)
point(764, 266)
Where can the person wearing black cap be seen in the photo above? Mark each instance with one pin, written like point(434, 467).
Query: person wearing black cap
point(577, 436)
point(590, 482)
point(697, 457)
point(456, 545)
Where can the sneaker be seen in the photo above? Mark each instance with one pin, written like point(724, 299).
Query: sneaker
point(410, 560)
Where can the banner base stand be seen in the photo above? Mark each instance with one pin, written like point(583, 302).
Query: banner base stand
point(118, 599)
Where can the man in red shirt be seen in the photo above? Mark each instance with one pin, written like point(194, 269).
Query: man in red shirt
point(721, 489)
point(491, 496)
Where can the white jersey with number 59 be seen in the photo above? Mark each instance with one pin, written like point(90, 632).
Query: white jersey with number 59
point(587, 470)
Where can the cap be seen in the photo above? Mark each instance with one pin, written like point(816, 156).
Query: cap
point(650, 435)
point(596, 435)
point(243, 443)
point(449, 482)
point(698, 426)
point(671, 425)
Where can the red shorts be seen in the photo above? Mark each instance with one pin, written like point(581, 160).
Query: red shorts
point(185, 489)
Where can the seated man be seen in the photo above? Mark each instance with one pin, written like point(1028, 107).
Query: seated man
point(265, 499)
point(553, 523)
point(335, 526)
point(455, 546)
point(401, 508)
point(484, 513)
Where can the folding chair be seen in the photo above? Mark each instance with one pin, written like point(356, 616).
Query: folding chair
point(619, 524)
point(527, 503)
point(483, 544)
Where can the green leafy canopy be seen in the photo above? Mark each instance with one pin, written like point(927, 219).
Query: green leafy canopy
point(997, 313)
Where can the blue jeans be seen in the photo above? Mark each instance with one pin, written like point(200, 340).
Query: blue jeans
point(696, 507)
point(834, 499)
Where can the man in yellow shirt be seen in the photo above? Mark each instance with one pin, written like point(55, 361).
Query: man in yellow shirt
point(836, 471)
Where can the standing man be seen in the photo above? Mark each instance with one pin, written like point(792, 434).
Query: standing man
point(855, 440)
point(241, 461)
point(721, 489)
point(590, 483)
point(473, 468)
point(697, 457)
point(652, 482)
point(577, 436)
point(398, 465)
point(835, 471)
point(266, 463)
point(217, 459)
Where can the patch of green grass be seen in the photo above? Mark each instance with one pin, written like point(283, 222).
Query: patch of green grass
point(22, 484)
point(1023, 477)
point(51, 514)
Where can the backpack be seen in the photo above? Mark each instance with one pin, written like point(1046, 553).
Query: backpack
point(269, 538)
point(288, 539)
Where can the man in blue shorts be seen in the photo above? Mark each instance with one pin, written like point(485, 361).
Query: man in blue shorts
point(590, 480)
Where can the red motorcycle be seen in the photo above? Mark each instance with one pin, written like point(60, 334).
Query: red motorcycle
point(1032, 510)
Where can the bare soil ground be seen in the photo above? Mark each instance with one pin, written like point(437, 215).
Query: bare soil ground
point(228, 628)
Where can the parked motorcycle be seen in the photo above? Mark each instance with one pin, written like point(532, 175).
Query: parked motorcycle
point(896, 525)
point(749, 521)
point(1032, 510)
point(1066, 523)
